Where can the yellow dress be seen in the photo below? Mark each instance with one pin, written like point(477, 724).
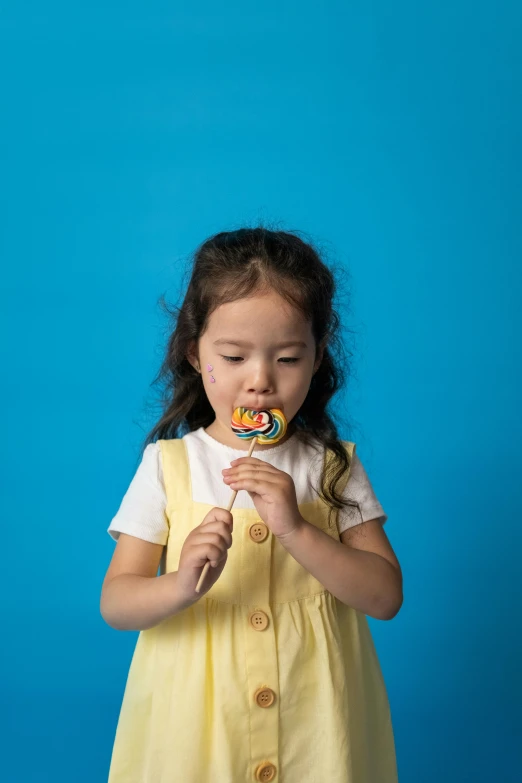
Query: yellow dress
point(267, 677)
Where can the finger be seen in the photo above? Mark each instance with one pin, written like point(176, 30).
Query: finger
point(253, 474)
point(201, 554)
point(218, 515)
point(222, 536)
point(249, 470)
point(252, 461)
point(216, 526)
point(222, 541)
point(255, 466)
point(261, 487)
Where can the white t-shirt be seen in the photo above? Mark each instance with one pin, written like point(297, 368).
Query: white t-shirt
point(142, 510)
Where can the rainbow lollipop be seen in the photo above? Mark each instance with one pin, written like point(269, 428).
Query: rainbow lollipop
point(266, 426)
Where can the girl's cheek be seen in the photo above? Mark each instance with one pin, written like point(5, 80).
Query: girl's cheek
point(219, 393)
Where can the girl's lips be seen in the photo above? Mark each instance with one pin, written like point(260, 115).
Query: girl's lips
point(261, 407)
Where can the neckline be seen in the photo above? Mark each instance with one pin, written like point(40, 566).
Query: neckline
point(200, 433)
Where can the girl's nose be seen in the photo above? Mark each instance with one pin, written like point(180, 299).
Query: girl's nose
point(260, 385)
point(260, 390)
point(260, 382)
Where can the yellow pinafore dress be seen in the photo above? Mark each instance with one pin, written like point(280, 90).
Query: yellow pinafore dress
point(268, 677)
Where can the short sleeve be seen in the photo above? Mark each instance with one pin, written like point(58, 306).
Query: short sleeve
point(359, 488)
point(142, 510)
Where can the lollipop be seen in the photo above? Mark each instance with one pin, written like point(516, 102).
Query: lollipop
point(266, 426)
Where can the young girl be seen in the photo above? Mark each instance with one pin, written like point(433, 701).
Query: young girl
point(269, 673)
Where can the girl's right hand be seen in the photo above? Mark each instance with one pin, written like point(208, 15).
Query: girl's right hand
point(209, 541)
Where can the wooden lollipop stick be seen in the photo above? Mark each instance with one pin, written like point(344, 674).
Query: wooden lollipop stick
point(230, 504)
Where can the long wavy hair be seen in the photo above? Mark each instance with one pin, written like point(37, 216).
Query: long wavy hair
point(234, 264)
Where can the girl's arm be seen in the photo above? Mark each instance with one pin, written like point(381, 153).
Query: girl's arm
point(133, 597)
point(361, 570)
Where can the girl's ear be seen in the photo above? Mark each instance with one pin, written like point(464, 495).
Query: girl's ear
point(319, 359)
point(192, 356)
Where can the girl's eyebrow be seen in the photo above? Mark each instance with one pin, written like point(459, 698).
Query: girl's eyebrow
point(243, 344)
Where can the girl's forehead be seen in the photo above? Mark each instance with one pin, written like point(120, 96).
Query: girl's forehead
point(257, 322)
point(253, 310)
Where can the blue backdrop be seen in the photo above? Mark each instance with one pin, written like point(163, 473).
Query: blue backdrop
point(390, 133)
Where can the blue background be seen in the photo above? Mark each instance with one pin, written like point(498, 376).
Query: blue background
point(390, 134)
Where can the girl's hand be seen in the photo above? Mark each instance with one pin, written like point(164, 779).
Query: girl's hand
point(209, 541)
point(272, 491)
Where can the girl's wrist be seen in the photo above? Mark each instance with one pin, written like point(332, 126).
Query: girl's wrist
point(181, 598)
point(294, 532)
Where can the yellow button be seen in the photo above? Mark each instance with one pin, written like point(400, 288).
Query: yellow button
point(264, 697)
point(265, 771)
point(258, 532)
point(259, 620)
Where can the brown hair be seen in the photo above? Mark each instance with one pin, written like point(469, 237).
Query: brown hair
point(234, 264)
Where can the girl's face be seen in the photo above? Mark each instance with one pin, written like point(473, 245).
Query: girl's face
point(263, 355)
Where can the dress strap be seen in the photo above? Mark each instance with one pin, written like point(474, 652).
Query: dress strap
point(176, 471)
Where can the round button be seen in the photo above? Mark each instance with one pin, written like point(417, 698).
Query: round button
point(264, 697)
point(259, 620)
point(265, 771)
point(258, 532)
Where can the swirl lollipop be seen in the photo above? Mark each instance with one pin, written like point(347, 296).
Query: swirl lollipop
point(266, 426)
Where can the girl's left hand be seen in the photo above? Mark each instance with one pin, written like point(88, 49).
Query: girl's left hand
point(272, 491)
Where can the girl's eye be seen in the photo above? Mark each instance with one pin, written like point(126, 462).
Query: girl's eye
point(236, 359)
